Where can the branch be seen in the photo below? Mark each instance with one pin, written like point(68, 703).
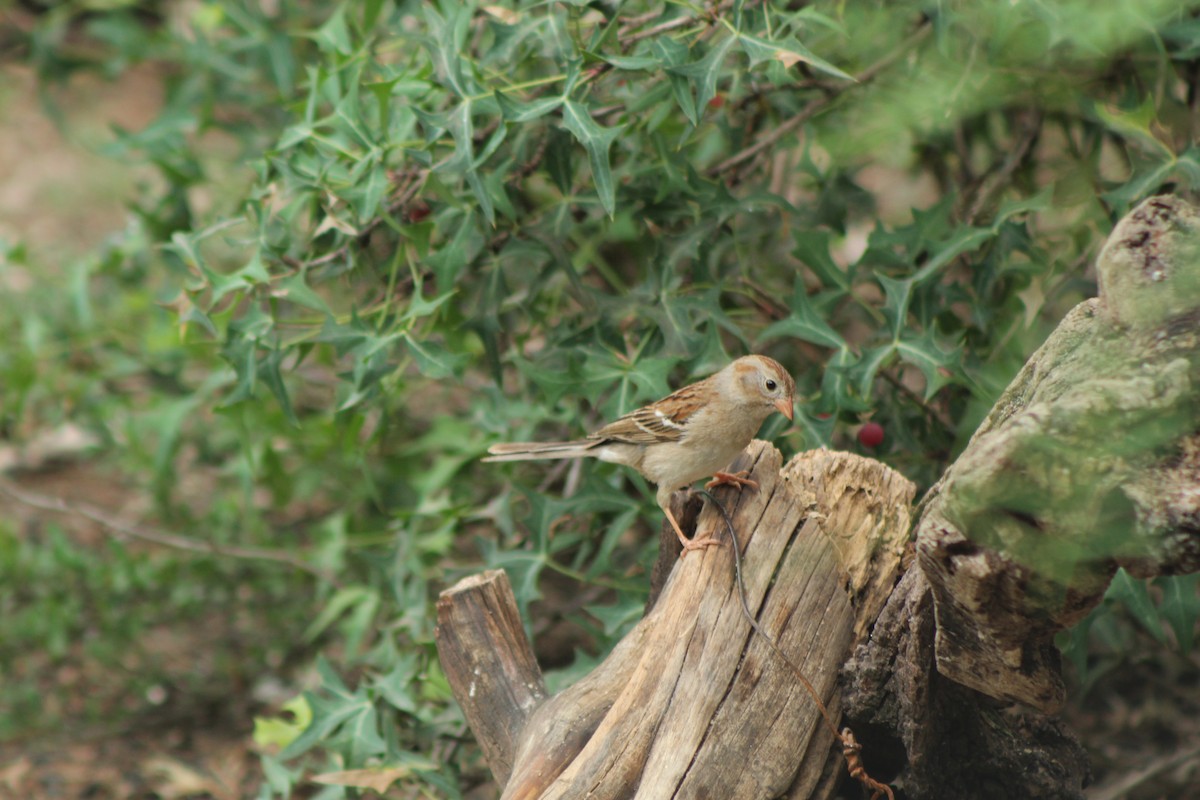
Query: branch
point(1030, 126)
point(818, 104)
point(627, 38)
point(127, 530)
point(1122, 787)
point(1087, 462)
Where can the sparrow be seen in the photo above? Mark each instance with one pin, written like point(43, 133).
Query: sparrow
point(690, 434)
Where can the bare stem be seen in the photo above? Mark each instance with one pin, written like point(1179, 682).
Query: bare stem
point(128, 530)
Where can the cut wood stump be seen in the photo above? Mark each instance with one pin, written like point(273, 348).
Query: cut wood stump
point(1088, 462)
point(693, 702)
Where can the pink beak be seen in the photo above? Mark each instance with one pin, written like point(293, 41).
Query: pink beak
point(785, 407)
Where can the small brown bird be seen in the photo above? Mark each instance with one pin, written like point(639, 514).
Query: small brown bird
point(689, 434)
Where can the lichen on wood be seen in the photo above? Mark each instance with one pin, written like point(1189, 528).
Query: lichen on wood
point(1083, 465)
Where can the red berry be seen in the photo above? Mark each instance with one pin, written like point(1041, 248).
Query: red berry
point(717, 101)
point(418, 211)
point(870, 435)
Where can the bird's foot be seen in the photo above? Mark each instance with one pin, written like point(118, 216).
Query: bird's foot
point(689, 544)
point(738, 479)
point(697, 544)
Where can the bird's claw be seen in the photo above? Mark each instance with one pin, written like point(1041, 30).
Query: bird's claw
point(698, 544)
point(738, 479)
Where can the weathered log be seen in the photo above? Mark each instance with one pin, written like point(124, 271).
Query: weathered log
point(693, 702)
point(1089, 460)
point(1065, 479)
point(487, 657)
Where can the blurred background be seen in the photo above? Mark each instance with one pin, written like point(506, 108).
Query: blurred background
point(273, 275)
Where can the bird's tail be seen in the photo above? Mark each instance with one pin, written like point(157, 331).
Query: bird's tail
point(531, 451)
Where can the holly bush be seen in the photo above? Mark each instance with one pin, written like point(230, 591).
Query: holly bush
point(462, 223)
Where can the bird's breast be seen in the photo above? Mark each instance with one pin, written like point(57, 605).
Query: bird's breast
point(705, 450)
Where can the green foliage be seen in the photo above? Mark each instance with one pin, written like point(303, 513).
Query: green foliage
point(468, 223)
point(1167, 609)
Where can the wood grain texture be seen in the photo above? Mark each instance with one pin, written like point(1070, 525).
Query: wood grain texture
point(489, 663)
point(693, 703)
point(865, 509)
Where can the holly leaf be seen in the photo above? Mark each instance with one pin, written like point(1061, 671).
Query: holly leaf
point(462, 129)
point(803, 323)
point(516, 111)
point(268, 370)
point(1181, 608)
point(818, 430)
point(837, 384)
point(703, 74)
point(1136, 598)
point(788, 52)
point(331, 707)
point(596, 139)
point(674, 54)
point(812, 247)
point(897, 296)
point(868, 367)
point(433, 360)
point(937, 365)
point(295, 289)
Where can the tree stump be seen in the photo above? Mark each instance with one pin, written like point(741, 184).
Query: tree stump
point(1089, 461)
point(694, 703)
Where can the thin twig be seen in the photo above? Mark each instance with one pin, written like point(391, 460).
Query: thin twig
point(662, 27)
point(766, 301)
point(1126, 784)
point(630, 24)
point(818, 104)
point(627, 39)
point(937, 415)
point(124, 529)
point(1030, 128)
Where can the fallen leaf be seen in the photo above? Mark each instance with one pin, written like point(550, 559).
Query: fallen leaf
point(174, 779)
point(333, 223)
point(12, 775)
point(506, 15)
point(377, 779)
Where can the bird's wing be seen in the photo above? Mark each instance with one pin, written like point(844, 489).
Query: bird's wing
point(662, 421)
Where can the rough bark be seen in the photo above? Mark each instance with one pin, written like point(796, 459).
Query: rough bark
point(1065, 479)
point(1089, 461)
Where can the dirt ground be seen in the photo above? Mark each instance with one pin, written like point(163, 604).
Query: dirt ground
point(61, 197)
point(1140, 720)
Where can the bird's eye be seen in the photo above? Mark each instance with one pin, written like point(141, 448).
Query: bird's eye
point(771, 385)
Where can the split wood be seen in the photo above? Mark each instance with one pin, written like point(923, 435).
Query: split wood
point(691, 703)
point(851, 749)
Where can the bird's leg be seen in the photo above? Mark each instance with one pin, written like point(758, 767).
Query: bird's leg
point(688, 544)
point(738, 479)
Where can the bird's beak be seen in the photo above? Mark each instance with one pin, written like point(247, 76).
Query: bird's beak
point(785, 407)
